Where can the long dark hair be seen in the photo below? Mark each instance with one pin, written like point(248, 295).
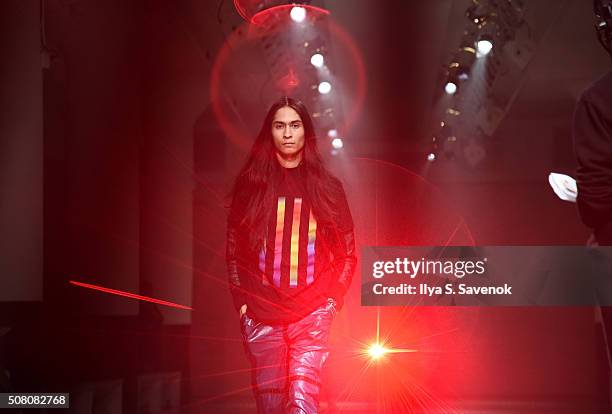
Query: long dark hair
point(260, 176)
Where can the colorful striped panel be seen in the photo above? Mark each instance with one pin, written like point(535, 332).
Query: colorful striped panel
point(278, 240)
point(295, 243)
point(262, 263)
point(312, 235)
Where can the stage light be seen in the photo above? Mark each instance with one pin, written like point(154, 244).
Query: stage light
point(317, 60)
point(298, 14)
point(431, 157)
point(337, 143)
point(484, 47)
point(453, 111)
point(324, 88)
point(450, 88)
point(376, 351)
point(459, 70)
point(479, 13)
point(332, 133)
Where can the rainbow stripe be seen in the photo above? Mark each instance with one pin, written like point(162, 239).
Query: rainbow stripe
point(312, 235)
point(262, 263)
point(278, 240)
point(295, 243)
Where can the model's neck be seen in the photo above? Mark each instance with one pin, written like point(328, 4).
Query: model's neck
point(289, 162)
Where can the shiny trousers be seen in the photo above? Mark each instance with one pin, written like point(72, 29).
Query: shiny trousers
point(287, 361)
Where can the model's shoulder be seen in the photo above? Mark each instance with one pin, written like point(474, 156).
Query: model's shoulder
point(601, 88)
point(335, 183)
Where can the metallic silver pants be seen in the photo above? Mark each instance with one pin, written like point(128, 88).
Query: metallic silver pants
point(287, 361)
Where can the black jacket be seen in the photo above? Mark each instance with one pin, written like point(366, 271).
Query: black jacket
point(593, 146)
point(336, 263)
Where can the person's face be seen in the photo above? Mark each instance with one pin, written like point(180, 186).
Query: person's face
point(288, 132)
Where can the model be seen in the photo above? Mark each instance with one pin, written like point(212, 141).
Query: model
point(291, 258)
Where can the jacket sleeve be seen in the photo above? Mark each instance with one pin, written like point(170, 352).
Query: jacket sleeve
point(593, 146)
point(231, 252)
point(345, 259)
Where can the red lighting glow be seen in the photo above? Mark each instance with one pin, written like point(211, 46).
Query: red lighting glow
point(130, 295)
point(265, 17)
point(237, 60)
point(288, 82)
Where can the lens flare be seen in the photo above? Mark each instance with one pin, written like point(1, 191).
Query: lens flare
point(377, 351)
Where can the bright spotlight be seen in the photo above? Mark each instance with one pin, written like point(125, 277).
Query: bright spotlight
point(298, 14)
point(332, 133)
point(431, 157)
point(376, 351)
point(324, 88)
point(337, 143)
point(317, 60)
point(450, 88)
point(484, 47)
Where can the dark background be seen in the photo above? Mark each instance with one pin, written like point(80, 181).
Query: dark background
point(115, 173)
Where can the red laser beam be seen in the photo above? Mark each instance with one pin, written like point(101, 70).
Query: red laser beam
point(130, 295)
